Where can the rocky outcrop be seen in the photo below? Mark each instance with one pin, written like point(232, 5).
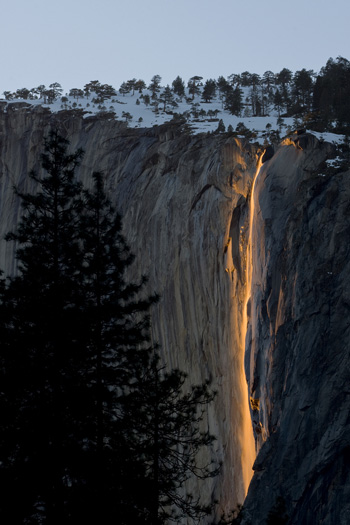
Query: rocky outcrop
point(298, 358)
point(185, 202)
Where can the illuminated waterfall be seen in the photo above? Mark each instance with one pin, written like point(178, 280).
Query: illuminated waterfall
point(248, 442)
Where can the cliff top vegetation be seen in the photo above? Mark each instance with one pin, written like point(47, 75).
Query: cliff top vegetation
point(263, 108)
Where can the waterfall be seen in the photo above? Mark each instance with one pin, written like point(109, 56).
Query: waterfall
point(247, 437)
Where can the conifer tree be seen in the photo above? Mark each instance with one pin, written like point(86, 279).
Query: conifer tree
point(233, 101)
point(178, 86)
point(118, 351)
point(72, 346)
point(154, 86)
point(166, 97)
point(209, 90)
point(124, 89)
point(140, 85)
point(41, 350)
point(93, 429)
point(170, 417)
point(193, 85)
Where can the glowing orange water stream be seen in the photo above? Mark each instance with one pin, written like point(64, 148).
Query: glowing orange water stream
point(248, 442)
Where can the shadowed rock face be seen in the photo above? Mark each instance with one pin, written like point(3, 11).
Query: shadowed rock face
point(183, 202)
point(298, 344)
point(185, 206)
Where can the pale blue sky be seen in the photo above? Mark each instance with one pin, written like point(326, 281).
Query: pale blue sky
point(75, 41)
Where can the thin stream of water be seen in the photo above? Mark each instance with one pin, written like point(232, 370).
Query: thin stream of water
point(248, 441)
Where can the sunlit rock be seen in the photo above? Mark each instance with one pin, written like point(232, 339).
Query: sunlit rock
point(270, 278)
point(184, 202)
point(298, 358)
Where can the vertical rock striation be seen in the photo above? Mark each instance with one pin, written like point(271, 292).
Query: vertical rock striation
point(184, 203)
point(299, 362)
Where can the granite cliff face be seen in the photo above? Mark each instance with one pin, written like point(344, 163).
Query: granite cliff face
point(183, 199)
point(298, 341)
point(186, 207)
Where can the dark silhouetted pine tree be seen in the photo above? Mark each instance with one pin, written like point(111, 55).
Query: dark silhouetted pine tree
point(40, 351)
point(73, 343)
point(93, 429)
point(118, 350)
point(174, 440)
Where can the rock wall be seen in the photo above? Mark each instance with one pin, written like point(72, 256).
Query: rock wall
point(183, 201)
point(298, 358)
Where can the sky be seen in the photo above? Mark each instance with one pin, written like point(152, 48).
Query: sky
point(75, 41)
